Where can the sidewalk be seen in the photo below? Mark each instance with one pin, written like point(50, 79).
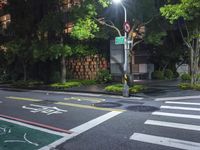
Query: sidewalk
point(153, 87)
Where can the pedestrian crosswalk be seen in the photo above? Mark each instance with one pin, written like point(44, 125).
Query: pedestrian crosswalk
point(182, 117)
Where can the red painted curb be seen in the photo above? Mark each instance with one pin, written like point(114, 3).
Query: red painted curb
point(36, 124)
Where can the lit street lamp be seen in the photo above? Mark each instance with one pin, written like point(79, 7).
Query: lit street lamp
point(126, 50)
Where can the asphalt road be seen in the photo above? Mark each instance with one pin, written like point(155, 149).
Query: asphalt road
point(74, 121)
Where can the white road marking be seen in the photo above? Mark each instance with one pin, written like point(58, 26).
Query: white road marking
point(180, 108)
point(177, 98)
point(34, 127)
point(176, 115)
point(164, 141)
point(82, 128)
point(173, 125)
point(182, 103)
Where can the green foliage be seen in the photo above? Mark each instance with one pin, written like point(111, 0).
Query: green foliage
point(168, 74)
point(196, 87)
point(80, 50)
point(65, 85)
point(84, 29)
point(44, 51)
point(103, 76)
point(84, 82)
point(58, 50)
point(158, 75)
point(4, 77)
point(185, 77)
point(137, 88)
point(104, 3)
point(188, 9)
point(185, 86)
point(176, 74)
point(73, 83)
point(114, 88)
point(155, 37)
point(188, 86)
point(51, 22)
point(118, 88)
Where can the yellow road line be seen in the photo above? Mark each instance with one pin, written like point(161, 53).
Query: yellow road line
point(88, 107)
point(24, 99)
point(86, 99)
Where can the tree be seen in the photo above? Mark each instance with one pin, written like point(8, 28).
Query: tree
point(186, 14)
point(18, 51)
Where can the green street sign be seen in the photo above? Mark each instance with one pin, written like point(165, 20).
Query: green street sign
point(119, 40)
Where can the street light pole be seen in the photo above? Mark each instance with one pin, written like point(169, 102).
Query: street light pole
point(126, 49)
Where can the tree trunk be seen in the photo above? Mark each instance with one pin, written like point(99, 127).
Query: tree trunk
point(63, 69)
point(24, 71)
point(195, 59)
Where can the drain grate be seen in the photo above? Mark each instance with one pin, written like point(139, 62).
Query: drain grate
point(139, 108)
point(107, 104)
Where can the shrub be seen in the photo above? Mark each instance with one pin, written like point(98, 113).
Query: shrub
point(118, 88)
point(196, 87)
point(185, 77)
point(103, 76)
point(158, 75)
point(168, 74)
point(176, 75)
point(65, 85)
point(137, 88)
point(84, 82)
point(185, 86)
point(197, 77)
point(114, 88)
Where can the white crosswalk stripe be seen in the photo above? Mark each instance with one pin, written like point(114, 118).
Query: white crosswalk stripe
point(182, 103)
point(170, 142)
point(173, 125)
point(168, 112)
point(176, 115)
point(177, 98)
point(180, 108)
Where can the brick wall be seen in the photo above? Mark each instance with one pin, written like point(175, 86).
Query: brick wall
point(86, 67)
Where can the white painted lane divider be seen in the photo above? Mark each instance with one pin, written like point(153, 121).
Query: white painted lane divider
point(182, 103)
point(164, 141)
point(173, 125)
point(177, 98)
point(82, 128)
point(176, 115)
point(180, 108)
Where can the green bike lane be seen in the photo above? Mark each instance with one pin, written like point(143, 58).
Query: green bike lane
point(28, 123)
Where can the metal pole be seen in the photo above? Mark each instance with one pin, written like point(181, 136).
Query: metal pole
point(126, 49)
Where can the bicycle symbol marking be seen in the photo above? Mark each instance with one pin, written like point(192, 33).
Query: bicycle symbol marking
point(44, 109)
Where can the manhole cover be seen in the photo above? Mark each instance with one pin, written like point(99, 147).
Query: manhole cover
point(141, 108)
point(130, 102)
point(107, 104)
